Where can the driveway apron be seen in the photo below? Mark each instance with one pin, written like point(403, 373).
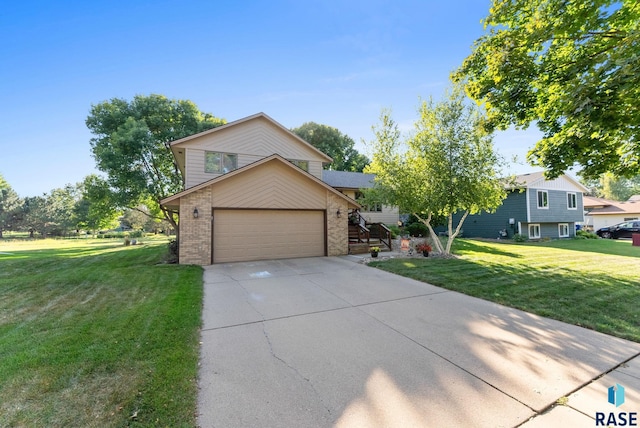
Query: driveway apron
point(321, 342)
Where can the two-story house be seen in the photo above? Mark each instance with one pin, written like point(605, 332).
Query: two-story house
point(534, 207)
point(253, 190)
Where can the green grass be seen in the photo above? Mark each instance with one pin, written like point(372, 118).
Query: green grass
point(93, 333)
point(591, 283)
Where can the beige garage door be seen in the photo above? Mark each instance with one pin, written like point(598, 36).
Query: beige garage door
point(245, 235)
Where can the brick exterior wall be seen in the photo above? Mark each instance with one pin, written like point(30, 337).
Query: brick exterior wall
point(337, 228)
point(195, 233)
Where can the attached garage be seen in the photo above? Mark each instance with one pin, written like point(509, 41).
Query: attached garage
point(260, 234)
point(270, 209)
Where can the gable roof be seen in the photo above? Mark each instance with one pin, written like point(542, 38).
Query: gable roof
point(348, 179)
point(593, 202)
point(185, 141)
point(605, 206)
point(538, 181)
point(174, 199)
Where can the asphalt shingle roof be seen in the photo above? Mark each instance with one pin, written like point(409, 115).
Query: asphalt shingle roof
point(348, 180)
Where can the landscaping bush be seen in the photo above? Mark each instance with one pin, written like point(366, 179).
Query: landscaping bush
point(173, 251)
point(136, 234)
point(519, 237)
point(417, 229)
point(109, 235)
point(395, 230)
point(583, 234)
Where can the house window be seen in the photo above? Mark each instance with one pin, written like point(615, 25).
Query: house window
point(543, 199)
point(303, 165)
point(220, 163)
point(563, 230)
point(371, 207)
point(534, 231)
point(572, 201)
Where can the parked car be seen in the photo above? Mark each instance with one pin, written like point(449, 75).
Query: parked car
point(620, 230)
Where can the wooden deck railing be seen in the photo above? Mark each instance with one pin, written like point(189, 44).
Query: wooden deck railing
point(381, 231)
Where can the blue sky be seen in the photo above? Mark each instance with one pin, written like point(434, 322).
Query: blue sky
point(334, 62)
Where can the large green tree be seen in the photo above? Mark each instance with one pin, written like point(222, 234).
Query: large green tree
point(132, 146)
point(95, 210)
point(10, 205)
point(334, 143)
point(571, 67)
point(608, 186)
point(448, 166)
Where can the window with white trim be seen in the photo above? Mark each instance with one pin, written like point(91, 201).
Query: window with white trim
point(563, 230)
point(534, 231)
point(374, 207)
point(543, 199)
point(220, 163)
point(572, 201)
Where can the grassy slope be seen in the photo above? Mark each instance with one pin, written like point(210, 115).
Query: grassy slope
point(92, 332)
point(592, 283)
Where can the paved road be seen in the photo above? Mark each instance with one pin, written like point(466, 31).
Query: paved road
point(322, 342)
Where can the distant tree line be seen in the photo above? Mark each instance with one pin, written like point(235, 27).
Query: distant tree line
point(72, 209)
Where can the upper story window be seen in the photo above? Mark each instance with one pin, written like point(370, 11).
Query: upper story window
point(371, 208)
point(302, 164)
point(220, 163)
point(572, 201)
point(543, 199)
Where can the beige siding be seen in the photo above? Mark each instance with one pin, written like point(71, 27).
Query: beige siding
point(275, 186)
point(195, 173)
point(252, 141)
point(243, 235)
point(388, 215)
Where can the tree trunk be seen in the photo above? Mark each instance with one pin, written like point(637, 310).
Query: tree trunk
point(432, 233)
point(452, 233)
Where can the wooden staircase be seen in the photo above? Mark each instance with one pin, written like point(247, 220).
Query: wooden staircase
point(363, 236)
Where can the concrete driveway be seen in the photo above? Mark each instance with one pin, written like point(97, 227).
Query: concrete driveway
point(323, 342)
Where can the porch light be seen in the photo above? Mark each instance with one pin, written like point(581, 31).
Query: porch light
point(195, 213)
point(338, 213)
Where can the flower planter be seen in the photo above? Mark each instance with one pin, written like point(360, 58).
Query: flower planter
point(374, 254)
point(425, 253)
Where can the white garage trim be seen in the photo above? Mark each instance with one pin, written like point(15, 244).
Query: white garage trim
point(263, 234)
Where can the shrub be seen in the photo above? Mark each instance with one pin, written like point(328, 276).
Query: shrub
point(395, 230)
point(583, 234)
point(417, 229)
point(519, 237)
point(173, 251)
point(136, 234)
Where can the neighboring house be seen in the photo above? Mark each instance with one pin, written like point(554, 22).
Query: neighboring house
point(352, 184)
point(534, 207)
point(603, 212)
point(254, 190)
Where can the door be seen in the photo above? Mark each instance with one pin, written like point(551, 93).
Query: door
point(260, 234)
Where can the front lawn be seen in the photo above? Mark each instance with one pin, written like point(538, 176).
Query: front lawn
point(591, 283)
point(93, 333)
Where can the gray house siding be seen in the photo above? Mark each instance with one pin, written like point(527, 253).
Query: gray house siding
point(485, 225)
point(557, 211)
